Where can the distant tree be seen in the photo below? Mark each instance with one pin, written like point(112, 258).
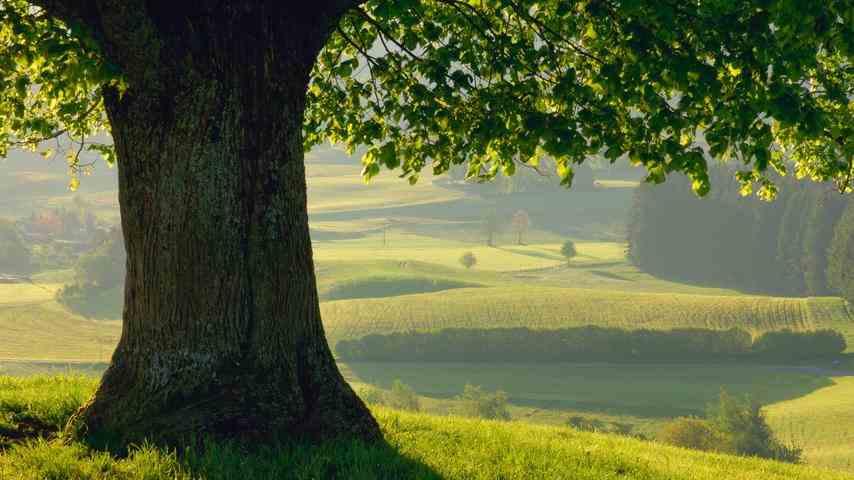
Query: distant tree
point(730, 426)
point(568, 250)
point(468, 260)
point(15, 255)
point(492, 225)
point(840, 261)
point(520, 224)
point(824, 212)
point(104, 266)
point(746, 430)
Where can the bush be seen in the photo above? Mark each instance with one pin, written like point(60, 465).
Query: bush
point(786, 345)
point(731, 426)
point(591, 343)
point(694, 433)
point(747, 432)
point(475, 402)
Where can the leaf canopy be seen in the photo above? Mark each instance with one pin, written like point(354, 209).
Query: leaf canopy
point(496, 83)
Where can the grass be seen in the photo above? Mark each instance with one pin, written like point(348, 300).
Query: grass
point(416, 446)
point(822, 422)
point(648, 391)
point(551, 307)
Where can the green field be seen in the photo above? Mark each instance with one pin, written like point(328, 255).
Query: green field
point(416, 446)
point(387, 260)
point(822, 422)
point(553, 307)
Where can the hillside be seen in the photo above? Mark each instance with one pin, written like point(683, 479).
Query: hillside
point(417, 446)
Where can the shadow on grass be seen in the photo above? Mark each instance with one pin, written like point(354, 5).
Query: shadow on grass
point(649, 391)
point(333, 460)
point(37, 458)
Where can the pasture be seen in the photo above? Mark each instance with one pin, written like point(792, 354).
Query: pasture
point(416, 446)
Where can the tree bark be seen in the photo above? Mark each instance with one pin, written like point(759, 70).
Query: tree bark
point(222, 333)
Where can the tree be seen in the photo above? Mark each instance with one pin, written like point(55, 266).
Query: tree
point(468, 260)
point(15, 255)
point(840, 261)
point(568, 250)
point(211, 105)
point(492, 224)
point(520, 224)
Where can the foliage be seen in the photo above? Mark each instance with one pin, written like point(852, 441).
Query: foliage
point(778, 247)
point(744, 426)
point(840, 269)
point(493, 83)
point(568, 250)
point(468, 260)
point(694, 433)
point(731, 426)
point(475, 402)
point(15, 254)
point(99, 280)
point(592, 343)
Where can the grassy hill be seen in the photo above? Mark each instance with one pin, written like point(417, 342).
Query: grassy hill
point(416, 446)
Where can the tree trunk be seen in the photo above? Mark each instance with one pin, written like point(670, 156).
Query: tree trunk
point(222, 333)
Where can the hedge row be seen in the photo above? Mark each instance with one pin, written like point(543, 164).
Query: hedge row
point(592, 343)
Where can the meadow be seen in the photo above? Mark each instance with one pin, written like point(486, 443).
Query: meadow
point(417, 446)
point(387, 261)
point(541, 307)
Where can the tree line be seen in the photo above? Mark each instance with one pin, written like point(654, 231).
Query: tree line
point(592, 343)
point(800, 244)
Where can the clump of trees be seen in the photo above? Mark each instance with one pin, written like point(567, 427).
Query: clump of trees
point(468, 260)
point(99, 275)
point(840, 261)
point(593, 343)
point(15, 254)
point(778, 247)
point(731, 426)
point(477, 402)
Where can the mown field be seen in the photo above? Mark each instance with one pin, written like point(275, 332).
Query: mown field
point(543, 307)
point(416, 446)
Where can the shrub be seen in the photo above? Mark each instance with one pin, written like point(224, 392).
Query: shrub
point(747, 432)
point(591, 343)
point(786, 345)
point(694, 433)
point(468, 260)
point(475, 402)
